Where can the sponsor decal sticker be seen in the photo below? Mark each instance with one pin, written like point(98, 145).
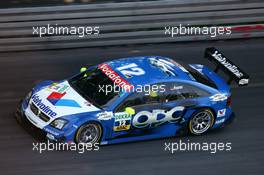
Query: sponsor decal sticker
point(44, 108)
point(234, 69)
point(110, 73)
point(176, 88)
point(121, 127)
point(218, 97)
point(122, 121)
point(57, 87)
point(157, 117)
point(221, 113)
point(243, 81)
point(131, 69)
point(220, 121)
point(164, 65)
point(55, 98)
point(51, 131)
point(105, 116)
point(50, 136)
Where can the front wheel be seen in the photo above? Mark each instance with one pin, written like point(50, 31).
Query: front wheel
point(201, 121)
point(89, 133)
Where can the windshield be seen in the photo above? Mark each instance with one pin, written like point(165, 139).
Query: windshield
point(92, 84)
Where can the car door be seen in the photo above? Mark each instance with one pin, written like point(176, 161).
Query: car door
point(140, 102)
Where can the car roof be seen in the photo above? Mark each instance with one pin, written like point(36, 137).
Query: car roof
point(153, 69)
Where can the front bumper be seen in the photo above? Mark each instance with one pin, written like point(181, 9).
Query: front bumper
point(27, 125)
point(24, 121)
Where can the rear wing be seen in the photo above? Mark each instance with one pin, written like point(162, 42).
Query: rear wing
point(232, 70)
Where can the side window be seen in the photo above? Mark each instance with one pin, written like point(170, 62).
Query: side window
point(200, 92)
point(193, 92)
point(139, 99)
point(150, 99)
point(134, 99)
point(173, 92)
point(189, 92)
point(179, 91)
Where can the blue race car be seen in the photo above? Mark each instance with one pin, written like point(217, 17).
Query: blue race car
point(132, 99)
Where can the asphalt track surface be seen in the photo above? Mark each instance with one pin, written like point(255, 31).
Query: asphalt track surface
point(19, 71)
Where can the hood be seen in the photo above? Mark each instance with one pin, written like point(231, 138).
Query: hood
point(60, 99)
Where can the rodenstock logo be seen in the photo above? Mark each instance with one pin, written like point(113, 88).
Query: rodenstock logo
point(46, 109)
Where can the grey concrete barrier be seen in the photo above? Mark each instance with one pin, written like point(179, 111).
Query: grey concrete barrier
point(128, 23)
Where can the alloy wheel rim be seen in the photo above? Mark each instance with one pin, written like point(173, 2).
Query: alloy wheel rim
point(201, 122)
point(89, 134)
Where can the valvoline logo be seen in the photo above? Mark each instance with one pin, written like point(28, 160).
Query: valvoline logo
point(46, 109)
point(55, 98)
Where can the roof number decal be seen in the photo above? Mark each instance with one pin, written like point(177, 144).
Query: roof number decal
point(131, 69)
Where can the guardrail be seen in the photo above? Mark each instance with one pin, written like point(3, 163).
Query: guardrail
point(128, 23)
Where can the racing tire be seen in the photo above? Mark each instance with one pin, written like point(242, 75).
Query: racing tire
point(201, 122)
point(89, 133)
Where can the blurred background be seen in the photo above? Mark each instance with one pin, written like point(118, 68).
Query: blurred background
point(36, 3)
point(124, 23)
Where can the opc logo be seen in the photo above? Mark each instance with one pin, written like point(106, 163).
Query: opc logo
point(157, 117)
point(55, 99)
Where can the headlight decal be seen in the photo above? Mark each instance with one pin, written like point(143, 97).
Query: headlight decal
point(59, 123)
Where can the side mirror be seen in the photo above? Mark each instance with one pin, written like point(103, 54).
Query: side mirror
point(83, 69)
point(130, 110)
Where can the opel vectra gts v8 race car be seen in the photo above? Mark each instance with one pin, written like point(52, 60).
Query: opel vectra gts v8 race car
point(98, 104)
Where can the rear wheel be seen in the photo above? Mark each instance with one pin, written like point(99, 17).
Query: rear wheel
point(201, 121)
point(89, 133)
